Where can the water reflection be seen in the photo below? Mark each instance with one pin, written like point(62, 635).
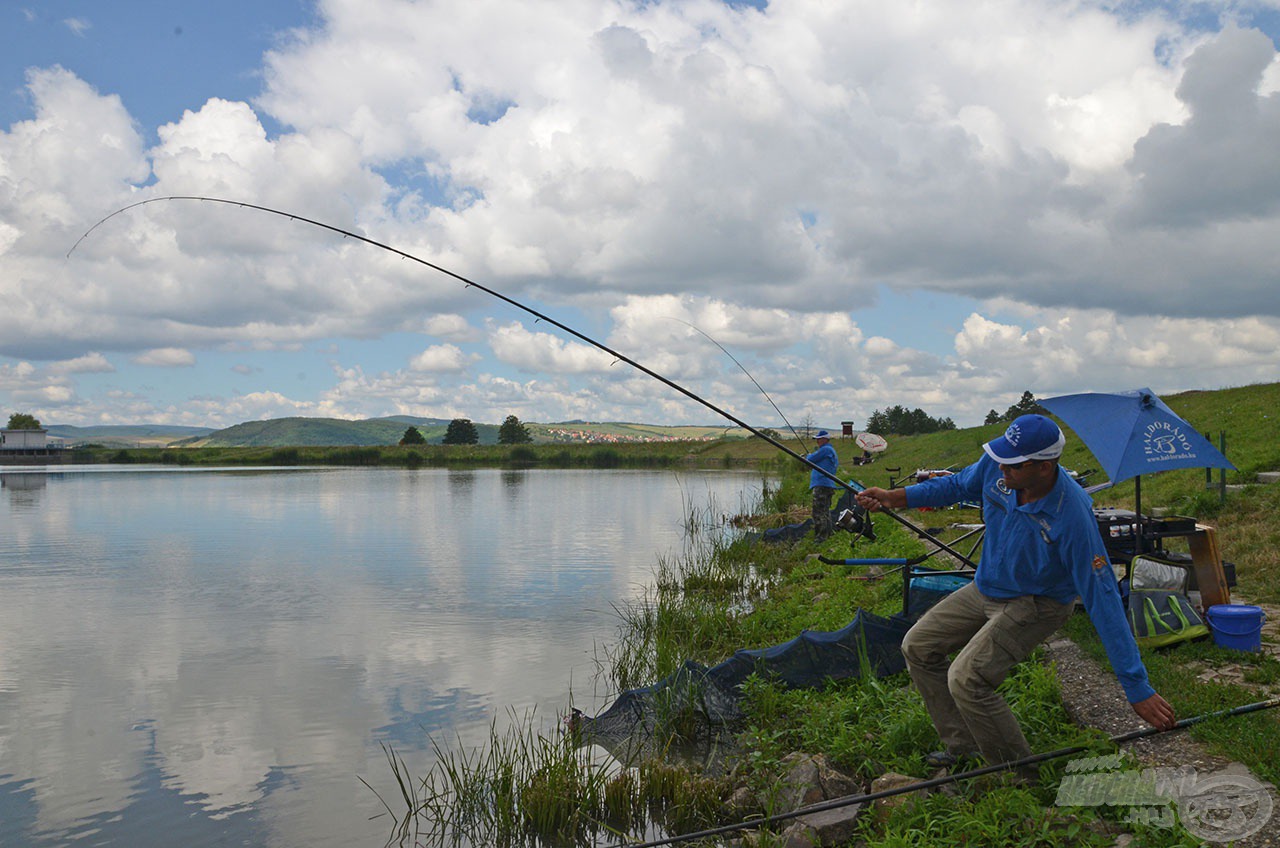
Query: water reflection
point(513, 482)
point(221, 656)
point(24, 489)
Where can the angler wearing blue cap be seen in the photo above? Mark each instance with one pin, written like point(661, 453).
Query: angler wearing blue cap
point(1042, 551)
point(821, 486)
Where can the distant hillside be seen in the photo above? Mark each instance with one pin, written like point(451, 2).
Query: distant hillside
point(280, 432)
point(126, 436)
point(318, 432)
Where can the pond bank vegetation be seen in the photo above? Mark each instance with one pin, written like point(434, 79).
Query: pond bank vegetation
point(726, 454)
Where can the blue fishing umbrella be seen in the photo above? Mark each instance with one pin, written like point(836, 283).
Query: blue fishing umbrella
point(1134, 433)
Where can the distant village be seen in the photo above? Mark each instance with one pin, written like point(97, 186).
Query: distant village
point(561, 434)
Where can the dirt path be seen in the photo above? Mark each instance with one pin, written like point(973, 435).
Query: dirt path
point(1093, 698)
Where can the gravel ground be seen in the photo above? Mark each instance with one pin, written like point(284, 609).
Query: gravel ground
point(1094, 698)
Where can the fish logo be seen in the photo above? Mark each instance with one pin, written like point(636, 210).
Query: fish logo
point(1163, 439)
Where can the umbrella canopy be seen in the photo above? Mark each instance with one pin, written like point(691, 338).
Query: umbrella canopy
point(871, 442)
point(1134, 433)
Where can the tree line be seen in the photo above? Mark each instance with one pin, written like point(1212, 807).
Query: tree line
point(462, 431)
point(899, 420)
point(1026, 405)
point(906, 422)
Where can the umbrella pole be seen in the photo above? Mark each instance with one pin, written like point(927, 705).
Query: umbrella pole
point(1137, 509)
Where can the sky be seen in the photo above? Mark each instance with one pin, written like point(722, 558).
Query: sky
point(824, 205)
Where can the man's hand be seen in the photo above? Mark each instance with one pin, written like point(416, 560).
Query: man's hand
point(876, 498)
point(1156, 712)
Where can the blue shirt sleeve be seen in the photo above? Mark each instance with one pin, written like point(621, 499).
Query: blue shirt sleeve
point(1095, 581)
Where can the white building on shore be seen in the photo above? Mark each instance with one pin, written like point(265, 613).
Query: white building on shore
point(31, 447)
point(24, 440)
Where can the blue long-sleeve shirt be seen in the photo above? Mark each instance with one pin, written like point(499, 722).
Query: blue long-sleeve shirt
point(1049, 547)
point(824, 457)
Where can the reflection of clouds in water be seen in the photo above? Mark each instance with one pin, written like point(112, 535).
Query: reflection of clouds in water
point(230, 696)
point(61, 723)
point(18, 807)
point(261, 635)
point(154, 803)
point(416, 711)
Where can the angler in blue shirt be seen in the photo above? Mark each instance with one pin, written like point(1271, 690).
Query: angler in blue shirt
point(1042, 551)
point(821, 486)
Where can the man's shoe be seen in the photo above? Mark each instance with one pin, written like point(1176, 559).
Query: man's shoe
point(946, 759)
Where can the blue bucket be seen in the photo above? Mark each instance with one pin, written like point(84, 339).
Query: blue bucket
point(1236, 626)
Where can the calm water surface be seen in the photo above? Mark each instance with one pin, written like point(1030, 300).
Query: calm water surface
point(217, 657)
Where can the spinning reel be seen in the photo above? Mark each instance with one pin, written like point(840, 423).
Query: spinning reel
point(857, 521)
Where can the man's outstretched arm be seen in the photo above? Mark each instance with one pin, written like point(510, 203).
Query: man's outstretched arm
point(876, 498)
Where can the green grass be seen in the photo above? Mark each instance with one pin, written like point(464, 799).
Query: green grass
point(1174, 672)
point(520, 786)
point(629, 455)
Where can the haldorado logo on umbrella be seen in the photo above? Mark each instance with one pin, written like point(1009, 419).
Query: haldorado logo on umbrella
point(1163, 441)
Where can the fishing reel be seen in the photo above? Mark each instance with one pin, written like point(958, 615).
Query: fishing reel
point(857, 521)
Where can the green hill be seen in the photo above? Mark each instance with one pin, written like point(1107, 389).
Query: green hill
point(321, 432)
point(127, 436)
point(313, 432)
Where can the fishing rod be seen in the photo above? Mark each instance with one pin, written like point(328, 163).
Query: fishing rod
point(709, 338)
point(919, 531)
point(850, 800)
point(900, 561)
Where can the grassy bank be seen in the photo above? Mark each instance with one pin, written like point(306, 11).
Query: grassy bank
point(530, 788)
point(732, 453)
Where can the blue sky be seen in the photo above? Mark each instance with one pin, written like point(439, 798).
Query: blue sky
point(160, 57)
point(932, 206)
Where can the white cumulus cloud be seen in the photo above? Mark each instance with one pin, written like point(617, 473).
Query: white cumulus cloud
point(440, 358)
point(166, 357)
point(675, 176)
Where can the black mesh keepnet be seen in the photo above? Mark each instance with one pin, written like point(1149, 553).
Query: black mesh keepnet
point(869, 642)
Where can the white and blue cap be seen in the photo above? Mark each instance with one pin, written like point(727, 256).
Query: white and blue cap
point(822, 434)
point(1028, 437)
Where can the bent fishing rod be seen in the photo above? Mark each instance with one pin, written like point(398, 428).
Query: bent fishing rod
point(919, 531)
point(744, 370)
point(850, 800)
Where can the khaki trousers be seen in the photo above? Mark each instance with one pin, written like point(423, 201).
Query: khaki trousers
point(992, 636)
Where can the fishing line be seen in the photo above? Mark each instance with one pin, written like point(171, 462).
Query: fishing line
point(919, 531)
point(850, 800)
point(709, 338)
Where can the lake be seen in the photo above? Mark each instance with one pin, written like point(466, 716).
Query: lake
point(218, 657)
